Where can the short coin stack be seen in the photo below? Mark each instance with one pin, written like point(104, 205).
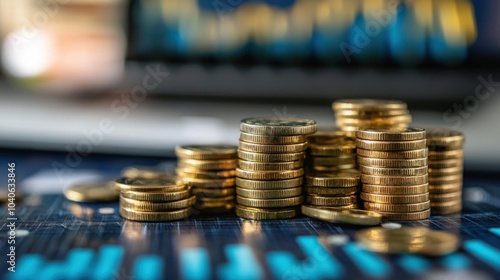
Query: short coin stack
point(393, 165)
point(353, 114)
point(334, 188)
point(210, 171)
point(445, 170)
point(330, 151)
point(270, 167)
point(154, 200)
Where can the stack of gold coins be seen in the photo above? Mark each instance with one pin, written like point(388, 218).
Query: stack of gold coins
point(154, 200)
point(270, 170)
point(333, 188)
point(354, 114)
point(210, 171)
point(445, 170)
point(330, 151)
point(393, 165)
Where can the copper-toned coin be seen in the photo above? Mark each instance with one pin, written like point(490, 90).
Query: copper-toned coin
point(446, 155)
point(441, 139)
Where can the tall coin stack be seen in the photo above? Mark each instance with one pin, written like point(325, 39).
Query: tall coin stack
point(330, 151)
point(353, 114)
point(154, 200)
point(394, 172)
point(333, 188)
point(445, 170)
point(270, 170)
point(210, 171)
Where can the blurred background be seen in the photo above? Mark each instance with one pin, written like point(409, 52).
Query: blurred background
point(141, 76)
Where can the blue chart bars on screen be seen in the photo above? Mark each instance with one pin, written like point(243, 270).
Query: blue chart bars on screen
point(336, 32)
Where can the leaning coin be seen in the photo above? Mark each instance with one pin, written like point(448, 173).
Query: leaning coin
point(342, 215)
point(92, 192)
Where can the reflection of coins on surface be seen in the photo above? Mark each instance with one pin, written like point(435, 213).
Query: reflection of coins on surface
point(265, 214)
point(262, 157)
point(267, 194)
point(269, 166)
point(269, 175)
point(390, 145)
point(169, 183)
point(391, 134)
point(394, 180)
point(276, 126)
point(157, 196)
point(273, 149)
point(331, 200)
point(399, 208)
point(398, 190)
point(269, 203)
point(417, 240)
point(92, 192)
point(342, 215)
point(383, 198)
point(270, 184)
point(209, 152)
point(420, 153)
point(272, 139)
point(131, 214)
point(407, 171)
point(331, 191)
point(148, 206)
point(143, 172)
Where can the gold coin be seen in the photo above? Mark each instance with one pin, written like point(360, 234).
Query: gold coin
point(446, 208)
point(391, 134)
point(212, 192)
point(342, 215)
point(450, 171)
point(219, 174)
point(413, 154)
point(334, 161)
point(269, 175)
point(398, 190)
point(399, 208)
point(221, 208)
point(440, 139)
point(207, 165)
point(394, 180)
point(368, 104)
point(268, 166)
point(446, 155)
point(269, 185)
point(278, 126)
point(91, 192)
point(210, 183)
point(157, 196)
point(352, 129)
point(267, 194)
point(140, 216)
point(271, 139)
point(437, 164)
point(225, 199)
point(445, 180)
point(446, 188)
point(396, 199)
point(144, 172)
point(377, 162)
point(446, 197)
point(169, 183)
point(270, 203)
point(326, 169)
point(346, 148)
point(368, 114)
point(331, 200)
point(265, 214)
point(203, 152)
point(412, 171)
point(272, 149)
point(331, 191)
point(219, 204)
point(394, 216)
point(375, 121)
point(261, 157)
point(343, 178)
point(390, 145)
point(328, 137)
point(147, 206)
